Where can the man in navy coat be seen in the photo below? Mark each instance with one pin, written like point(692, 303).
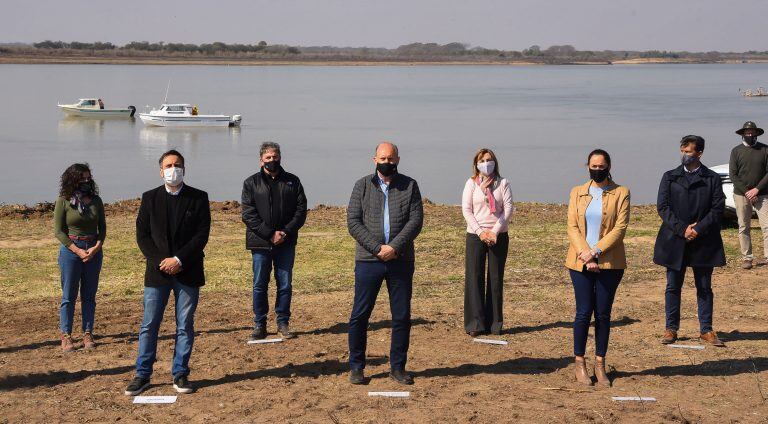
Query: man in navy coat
point(691, 204)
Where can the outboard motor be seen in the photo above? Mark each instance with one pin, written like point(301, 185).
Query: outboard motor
point(133, 110)
point(236, 119)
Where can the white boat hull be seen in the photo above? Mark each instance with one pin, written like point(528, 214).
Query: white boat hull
point(187, 121)
point(97, 113)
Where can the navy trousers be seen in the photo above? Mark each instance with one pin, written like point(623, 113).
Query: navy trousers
point(702, 277)
point(594, 296)
point(368, 279)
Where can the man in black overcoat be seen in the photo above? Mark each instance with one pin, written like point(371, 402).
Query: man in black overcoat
point(691, 204)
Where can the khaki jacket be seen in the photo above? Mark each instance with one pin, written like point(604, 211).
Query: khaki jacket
point(612, 228)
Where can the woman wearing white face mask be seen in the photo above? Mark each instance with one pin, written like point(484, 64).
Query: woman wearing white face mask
point(487, 207)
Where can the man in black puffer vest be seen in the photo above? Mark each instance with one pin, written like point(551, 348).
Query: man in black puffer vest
point(274, 207)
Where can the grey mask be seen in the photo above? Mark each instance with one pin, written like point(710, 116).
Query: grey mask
point(687, 159)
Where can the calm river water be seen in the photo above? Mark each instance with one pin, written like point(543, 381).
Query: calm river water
point(541, 121)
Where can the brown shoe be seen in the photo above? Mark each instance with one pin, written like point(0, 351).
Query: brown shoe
point(285, 331)
point(600, 374)
point(746, 264)
point(670, 336)
point(473, 334)
point(88, 342)
point(711, 338)
point(66, 343)
point(582, 376)
point(762, 262)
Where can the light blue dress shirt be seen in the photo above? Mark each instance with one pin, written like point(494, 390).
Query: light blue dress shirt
point(594, 215)
point(385, 189)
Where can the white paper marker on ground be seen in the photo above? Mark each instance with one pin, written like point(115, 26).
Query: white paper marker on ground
point(264, 341)
point(391, 394)
point(490, 341)
point(683, 346)
point(154, 399)
point(634, 398)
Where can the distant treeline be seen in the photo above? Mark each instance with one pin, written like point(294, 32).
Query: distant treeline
point(409, 52)
point(145, 46)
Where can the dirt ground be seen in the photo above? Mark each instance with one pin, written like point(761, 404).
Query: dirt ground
point(305, 380)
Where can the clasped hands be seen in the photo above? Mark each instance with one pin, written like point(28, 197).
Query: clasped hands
point(690, 233)
point(386, 253)
point(87, 254)
point(488, 237)
point(588, 258)
point(278, 238)
point(751, 195)
point(170, 266)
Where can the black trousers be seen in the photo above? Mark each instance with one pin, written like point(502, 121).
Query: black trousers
point(483, 305)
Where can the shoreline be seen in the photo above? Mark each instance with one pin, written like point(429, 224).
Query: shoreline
point(97, 60)
point(12, 211)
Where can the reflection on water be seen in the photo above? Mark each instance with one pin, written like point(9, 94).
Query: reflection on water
point(72, 126)
point(156, 140)
point(82, 126)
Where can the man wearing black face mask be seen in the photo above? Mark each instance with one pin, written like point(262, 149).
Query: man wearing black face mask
point(748, 169)
point(384, 216)
point(274, 207)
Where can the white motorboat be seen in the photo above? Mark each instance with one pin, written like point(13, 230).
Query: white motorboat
point(94, 108)
point(186, 115)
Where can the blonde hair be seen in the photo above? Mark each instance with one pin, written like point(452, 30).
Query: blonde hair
point(480, 153)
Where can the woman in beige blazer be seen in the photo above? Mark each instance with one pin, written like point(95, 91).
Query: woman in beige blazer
point(598, 214)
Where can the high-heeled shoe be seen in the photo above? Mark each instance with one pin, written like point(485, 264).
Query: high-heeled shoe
point(600, 374)
point(582, 376)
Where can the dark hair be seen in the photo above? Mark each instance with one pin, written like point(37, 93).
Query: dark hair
point(480, 153)
point(71, 178)
point(603, 153)
point(267, 146)
point(698, 141)
point(172, 152)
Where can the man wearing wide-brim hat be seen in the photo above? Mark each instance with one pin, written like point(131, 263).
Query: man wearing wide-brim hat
point(749, 173)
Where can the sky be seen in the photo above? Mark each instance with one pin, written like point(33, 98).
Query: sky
point(691, 25)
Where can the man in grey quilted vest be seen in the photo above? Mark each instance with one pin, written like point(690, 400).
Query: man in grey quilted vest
point(384, 216)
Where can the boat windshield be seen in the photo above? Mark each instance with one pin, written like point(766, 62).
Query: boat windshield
point(175, 108)
point(87, 103)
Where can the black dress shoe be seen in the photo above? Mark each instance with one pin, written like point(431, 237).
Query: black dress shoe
point(259, 332)
point(401, 377)
point(356, 377)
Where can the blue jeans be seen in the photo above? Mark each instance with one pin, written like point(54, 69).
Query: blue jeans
point(594, 295)
point(77, 275)
point(702, 277)
point(368, 279)
point(282, 257)
point(155, 300)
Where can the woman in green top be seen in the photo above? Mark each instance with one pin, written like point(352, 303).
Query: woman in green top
point(80, 226)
